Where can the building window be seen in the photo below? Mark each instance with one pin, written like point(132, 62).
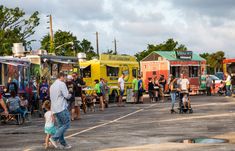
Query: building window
point(193, 71)
point(175, 71)
point(112, 71)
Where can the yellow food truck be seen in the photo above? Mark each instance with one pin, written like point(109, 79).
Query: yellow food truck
point(110, 68)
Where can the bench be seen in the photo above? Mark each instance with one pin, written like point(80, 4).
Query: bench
point(14, 117)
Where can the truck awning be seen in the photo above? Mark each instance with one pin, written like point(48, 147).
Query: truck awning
point(63, 62)
point(83, 67)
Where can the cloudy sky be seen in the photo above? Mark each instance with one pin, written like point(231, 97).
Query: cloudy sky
point(201, 25)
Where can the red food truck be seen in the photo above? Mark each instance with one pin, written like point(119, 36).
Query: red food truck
point(174, 62)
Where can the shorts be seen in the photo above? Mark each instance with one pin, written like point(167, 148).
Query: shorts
point(121, 92)
point(78, 101)
point(140, 93)
point(99, 94)
point(151, 93)
point(50, 130)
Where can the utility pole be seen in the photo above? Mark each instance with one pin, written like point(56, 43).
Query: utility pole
point(97, 43)
point(115, 45)
point(51, 35)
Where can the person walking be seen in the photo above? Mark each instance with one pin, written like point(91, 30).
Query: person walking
point(49, 127)
point(59, 107)
point(121, 85)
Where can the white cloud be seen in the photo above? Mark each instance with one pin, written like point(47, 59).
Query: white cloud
point(202, 25)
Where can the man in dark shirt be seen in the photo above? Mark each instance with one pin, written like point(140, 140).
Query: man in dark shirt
point(78, 93)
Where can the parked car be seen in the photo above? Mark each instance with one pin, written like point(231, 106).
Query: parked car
point(220, 75)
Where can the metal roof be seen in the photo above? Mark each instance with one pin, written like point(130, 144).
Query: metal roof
point(171, 56)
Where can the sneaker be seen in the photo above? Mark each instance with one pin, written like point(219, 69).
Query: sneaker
point(67, 146)
point(54, 143)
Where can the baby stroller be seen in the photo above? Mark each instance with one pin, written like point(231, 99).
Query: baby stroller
point(184, 103)
point(222, 89)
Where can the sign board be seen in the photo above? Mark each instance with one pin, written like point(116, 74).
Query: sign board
point(187, 55)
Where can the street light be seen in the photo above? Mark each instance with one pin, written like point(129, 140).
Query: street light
point(71, 43)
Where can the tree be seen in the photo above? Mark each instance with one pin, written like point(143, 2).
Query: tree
point(169, 45)
point(214, 61)
point(63, 46)
point(15, 28)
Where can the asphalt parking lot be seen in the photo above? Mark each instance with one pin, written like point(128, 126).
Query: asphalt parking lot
point(148, 126)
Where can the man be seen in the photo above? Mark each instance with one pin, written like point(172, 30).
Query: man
point(233, 83)
point(140, 90)
point(58, 95)
point(135, 88)
point(3, 106)
point(208, 85)
point(78, 94)
point(228, 84)
point(121, 85)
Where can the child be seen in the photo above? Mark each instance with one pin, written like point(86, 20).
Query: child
point(24, 103)
point(49, 123)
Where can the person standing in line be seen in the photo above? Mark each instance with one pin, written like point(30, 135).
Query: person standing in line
point(71, 102)
point(43, 94)
point(151, 90)
point(162, 83)
point(140, 90)
point(121, 85)
point(208, 85)
point(135, 89)
point(78, 94)
point(156, 88)
point(59, 107)
point(173, 90)
point(99, 94)
point(106, 93)
point(228, 84)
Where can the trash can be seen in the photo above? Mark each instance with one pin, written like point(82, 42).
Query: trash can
point(129, 96)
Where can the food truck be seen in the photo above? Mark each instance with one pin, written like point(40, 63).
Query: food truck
point(14, 69)
point(48, 66)
point(174, 62)
point(229, 66)
point(110, 68)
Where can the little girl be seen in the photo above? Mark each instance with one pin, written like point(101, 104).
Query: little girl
point(49, 123)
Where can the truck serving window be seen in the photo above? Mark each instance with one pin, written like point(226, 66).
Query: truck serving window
point(134, 72)
point(86, 72)
point(112, 71)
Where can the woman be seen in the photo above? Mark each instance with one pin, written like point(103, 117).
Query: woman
point(99, 94)
point(156, 88)
point(173, 90)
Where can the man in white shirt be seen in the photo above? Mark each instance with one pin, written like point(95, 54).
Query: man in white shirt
point(121, 85)
point(59, 107)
